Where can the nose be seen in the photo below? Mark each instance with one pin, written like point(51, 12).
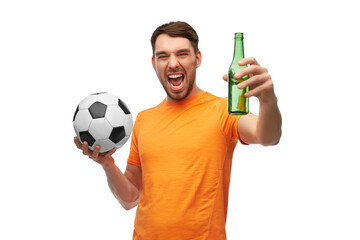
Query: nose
point(173, 62)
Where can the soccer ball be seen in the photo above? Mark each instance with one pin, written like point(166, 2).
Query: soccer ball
point(103, 119)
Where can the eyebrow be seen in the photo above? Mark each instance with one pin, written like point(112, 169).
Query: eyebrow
point(187, 50)
point(183, 50)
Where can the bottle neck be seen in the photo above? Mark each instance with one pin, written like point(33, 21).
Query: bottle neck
point(238, 47)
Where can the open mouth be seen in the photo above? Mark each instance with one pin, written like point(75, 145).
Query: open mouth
point(176, 81)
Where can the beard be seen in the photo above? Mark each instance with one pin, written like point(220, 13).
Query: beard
point(189, 81)
point(179, 96)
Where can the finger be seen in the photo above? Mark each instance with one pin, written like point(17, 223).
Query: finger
point(85, 148)
point(249, 60)
point(95, 153)
point(225, 77)
point(266, 87)
point(253, 69)
point(254, 81)
point(77, 143)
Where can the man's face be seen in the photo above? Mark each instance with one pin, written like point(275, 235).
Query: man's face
point(175, 63)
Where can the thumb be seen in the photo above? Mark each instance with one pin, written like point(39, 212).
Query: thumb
point(225, 77)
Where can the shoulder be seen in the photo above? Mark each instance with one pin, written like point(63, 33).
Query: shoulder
point(220, 103)
point(212, 99)
point(211, 103)
point(226, 122)
point(218, 106)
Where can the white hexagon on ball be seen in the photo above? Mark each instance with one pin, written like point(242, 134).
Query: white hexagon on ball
point(100, 128)
point(128, 124)
point(115, 115)
point(108, 99)
point(105, 145)
point(82, 120)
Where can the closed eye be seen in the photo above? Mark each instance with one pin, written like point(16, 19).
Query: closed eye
point(184, 52)
point(162, 56)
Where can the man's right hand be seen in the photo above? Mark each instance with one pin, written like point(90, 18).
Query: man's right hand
point(101, 158)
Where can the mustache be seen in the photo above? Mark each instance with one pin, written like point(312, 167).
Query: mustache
point(181, 70)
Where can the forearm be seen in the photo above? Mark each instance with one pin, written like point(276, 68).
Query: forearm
point(268, 128)
point(124, 191)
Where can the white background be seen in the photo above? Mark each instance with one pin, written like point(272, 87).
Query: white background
point(55, 53)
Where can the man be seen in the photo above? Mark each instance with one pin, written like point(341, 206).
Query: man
point(178, 171)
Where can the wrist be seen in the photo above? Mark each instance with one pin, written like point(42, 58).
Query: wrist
point(269, 100)
point(108, 163)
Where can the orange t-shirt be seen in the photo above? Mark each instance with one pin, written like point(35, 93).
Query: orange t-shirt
point(185, 151)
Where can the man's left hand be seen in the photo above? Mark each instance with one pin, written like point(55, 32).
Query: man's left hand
point(259, 81)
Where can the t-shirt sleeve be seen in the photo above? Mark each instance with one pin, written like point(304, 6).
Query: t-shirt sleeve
point(228, 122)
point(134, 157)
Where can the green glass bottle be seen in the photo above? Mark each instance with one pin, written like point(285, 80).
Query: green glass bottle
point(238, 104)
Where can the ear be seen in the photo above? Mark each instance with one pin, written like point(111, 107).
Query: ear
point(153, 62)
point(198, 58)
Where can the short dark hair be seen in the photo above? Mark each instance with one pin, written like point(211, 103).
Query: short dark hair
point(176, 29)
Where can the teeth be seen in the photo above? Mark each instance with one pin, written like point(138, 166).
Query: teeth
point(175, 76)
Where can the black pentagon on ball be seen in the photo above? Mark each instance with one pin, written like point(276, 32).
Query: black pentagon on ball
point(86, 136)
point(97, 110)
point(117, 134)
point(76, 111)
point(123, 106)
